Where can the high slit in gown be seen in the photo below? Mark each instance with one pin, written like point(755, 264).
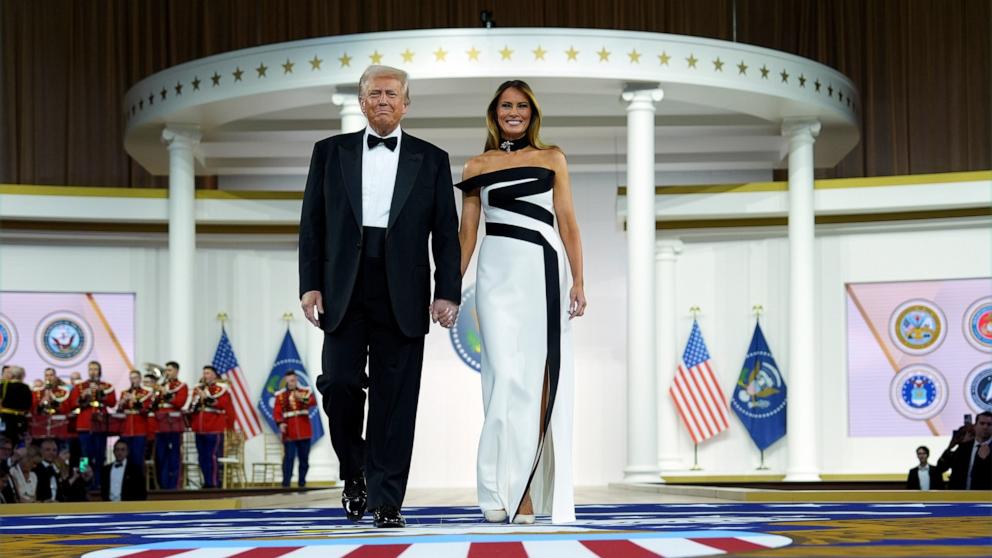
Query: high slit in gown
point(522, 298)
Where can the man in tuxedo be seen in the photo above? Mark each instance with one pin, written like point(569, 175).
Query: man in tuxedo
point(123, 480)
point(969, 457)
point(924, 476)
point(373, 199)
point(49, 479)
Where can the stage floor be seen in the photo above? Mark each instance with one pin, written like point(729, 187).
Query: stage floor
point(620, 523)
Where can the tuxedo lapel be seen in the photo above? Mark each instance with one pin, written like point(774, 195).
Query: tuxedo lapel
point(351, 171)
point(406, 176)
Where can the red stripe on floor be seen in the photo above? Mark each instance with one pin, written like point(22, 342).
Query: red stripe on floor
point(162, 553)
point(266, 552)
point(377, 551)
point(497, 550)
point(618, 549)
point(730, 544)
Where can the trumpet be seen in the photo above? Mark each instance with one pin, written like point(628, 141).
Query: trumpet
point(198, 395)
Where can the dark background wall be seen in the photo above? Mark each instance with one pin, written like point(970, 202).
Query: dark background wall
point(923, 66)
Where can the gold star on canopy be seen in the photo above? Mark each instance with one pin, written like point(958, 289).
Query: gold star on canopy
point(315, 63)
point(196, 83)
point(287, 67)
point(141, 104)
point(539, 53)
point(742, 68)
point(635, 57)
point(572, 53)
point(375, 57)
point(604, 55)
point(407, 56)
point(718, 64)
point(817, 84)
point(151, 99)
point(830, 91)
point(764, 72)
point(163, 93)
point(344, 59)
point(473, 54)
point(215, 78)
point(506, 53)
point(663, 58)
point(785, 76)
point(840, 95)
point(179, 88)
point(440, 54)
point(802, 80)
point(261, 69)
point(237, 73)
point(692, 61)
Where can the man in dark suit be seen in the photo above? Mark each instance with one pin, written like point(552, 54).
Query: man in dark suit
point(124, 479)
point(969, 457)
point(49, 478)
point(924, 476)
point(373, 199)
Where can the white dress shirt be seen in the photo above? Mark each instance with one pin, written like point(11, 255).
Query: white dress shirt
point(924, 474)
point(53, 481)
point(116, 480)
point(378, 178)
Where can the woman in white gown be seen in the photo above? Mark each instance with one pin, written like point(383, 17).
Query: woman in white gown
point(525, 298)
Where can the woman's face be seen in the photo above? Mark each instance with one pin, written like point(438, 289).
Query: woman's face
point(513, 113)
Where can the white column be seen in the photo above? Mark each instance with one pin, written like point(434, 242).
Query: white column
point(182, 141)
point(352, 119)
point(642, 395)
point(801, 374)
point(666, 257)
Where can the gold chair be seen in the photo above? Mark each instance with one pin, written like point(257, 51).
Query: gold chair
point(190, 474)
point(265, 473)
point(233, 461)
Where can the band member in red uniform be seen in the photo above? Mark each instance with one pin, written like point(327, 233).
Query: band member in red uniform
point(90, 400)
point(135, 403)
point(292, 414)
point(170, 399)
point(47, 421)
point(213, 413)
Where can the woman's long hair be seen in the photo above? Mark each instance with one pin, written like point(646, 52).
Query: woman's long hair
point(533, 130)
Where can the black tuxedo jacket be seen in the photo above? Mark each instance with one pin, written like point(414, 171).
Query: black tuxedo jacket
point(132, 486)
point(936, 479)
point(45, 482)
point(423, 206)
point(957, 461)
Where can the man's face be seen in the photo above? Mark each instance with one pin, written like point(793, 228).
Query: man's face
point(291, 382)
point(171, 372)
point(75, 377)
point(209, 376)
point(135, 379)
point(384, 104)
point(50, 376)
point(120, 452)
point(983, 428)
point(49, 451)
point(94, 371)
point(922, 455)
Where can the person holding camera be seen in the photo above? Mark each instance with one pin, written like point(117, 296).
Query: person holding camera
point(969, 456)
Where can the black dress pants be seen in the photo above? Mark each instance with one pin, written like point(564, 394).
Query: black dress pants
point(369, 333)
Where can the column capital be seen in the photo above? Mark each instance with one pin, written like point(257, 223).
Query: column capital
point(181, 136)
point(807, 128)
point(636, 93)
point(345, 95)
point(668, 248)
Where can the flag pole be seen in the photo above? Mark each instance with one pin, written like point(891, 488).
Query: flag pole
point(762, 466)
point(695, 458)
point(758, 309)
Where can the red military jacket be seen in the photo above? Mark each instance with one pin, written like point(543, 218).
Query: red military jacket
point(213, 413)
point(87, 398)
point(39, 406)
point(135, 409)
point(292, 408)
point(172, 397)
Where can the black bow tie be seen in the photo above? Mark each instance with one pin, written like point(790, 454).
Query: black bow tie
point(390, 143)
point(116, 465)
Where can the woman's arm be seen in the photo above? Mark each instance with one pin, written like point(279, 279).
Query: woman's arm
point(568, 228)
point(468, 232)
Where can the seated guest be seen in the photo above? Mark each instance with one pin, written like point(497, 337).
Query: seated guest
point(969, 457)
point(123, 479)
point(924, 476)
point(25, 480)
point(47, 472)
point(6, 452)
point(8, 494)
point(75, 485)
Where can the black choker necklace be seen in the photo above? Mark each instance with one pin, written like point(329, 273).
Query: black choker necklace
point(514, 145)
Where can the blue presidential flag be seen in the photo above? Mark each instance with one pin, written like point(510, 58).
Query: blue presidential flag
point(760, 395)
point(287, 359)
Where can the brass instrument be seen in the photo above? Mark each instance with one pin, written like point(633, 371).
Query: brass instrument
point(196, 401)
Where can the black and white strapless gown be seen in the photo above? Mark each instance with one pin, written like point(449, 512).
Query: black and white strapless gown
point(522, 289)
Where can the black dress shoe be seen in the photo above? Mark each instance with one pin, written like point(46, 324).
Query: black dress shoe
point(354, 499)
point(388, 517)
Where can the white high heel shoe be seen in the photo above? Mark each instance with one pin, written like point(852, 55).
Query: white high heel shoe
point(495, 516)
point(524, 519)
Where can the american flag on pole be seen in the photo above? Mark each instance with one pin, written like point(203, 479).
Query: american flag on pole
point(697, 395)
point(227, 367)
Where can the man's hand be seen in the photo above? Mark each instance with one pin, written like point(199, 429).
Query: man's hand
point(310, 300)
point(282, 427)
point(444, 312)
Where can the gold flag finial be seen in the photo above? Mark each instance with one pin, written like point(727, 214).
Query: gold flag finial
point(287, 316)
point(695, 311)
point(758, 309)
point(222, 317)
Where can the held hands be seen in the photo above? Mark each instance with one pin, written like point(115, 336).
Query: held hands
point(444, 312)
point(577, 302)
point(310, 300)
